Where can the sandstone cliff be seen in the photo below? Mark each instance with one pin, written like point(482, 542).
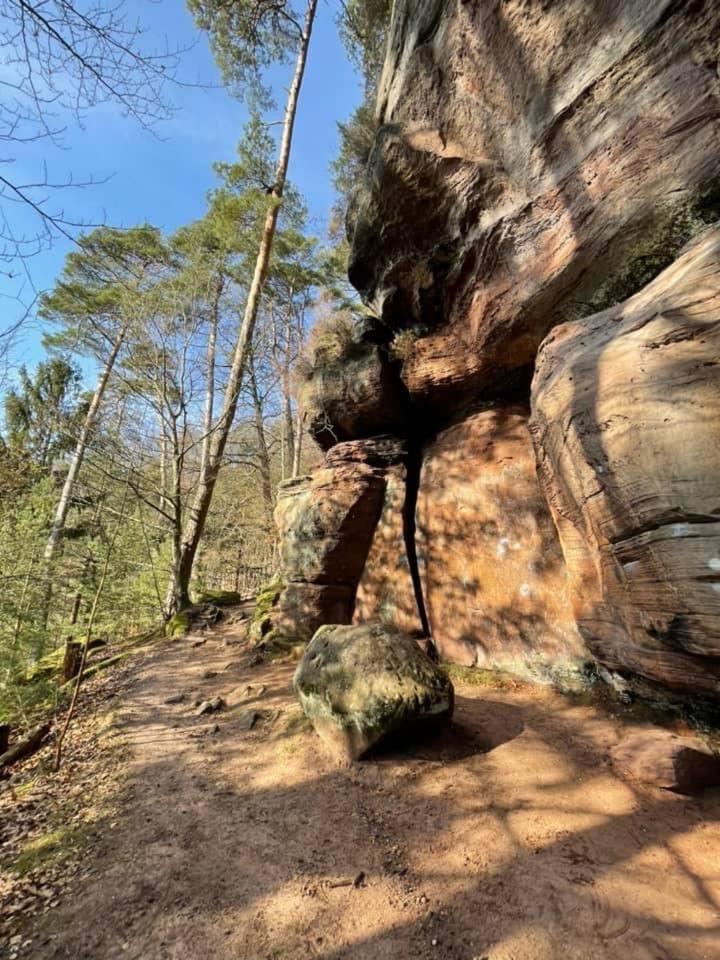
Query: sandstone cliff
point(537, 174)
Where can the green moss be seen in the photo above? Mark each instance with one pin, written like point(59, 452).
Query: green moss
point(261, 624)
point(48, 848)
point(178, 625)
point(674, 225)
point(478, 676)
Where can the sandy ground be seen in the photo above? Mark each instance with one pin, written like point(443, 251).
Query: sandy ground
point(507, 839)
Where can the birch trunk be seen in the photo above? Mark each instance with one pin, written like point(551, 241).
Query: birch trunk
point(210, 389)
point(297, 452)
point(206, 484)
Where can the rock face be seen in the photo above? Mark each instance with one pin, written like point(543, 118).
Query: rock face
point(626, 423)
point(534, 164)
point(524, 153)
point(326, 524)
point(386, 593)
point(493, 573)
point(360, 685)
point(353, 390)
point(661, 758)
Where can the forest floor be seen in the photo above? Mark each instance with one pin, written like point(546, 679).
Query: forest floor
point(234, 837)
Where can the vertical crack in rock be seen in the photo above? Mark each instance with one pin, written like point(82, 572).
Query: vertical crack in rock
point(412, 485)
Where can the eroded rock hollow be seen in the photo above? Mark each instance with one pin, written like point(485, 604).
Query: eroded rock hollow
point(524, 443)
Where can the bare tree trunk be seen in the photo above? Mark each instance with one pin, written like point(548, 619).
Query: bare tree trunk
point(289, 438)
point(263, 453)
point(297, 452)
point(206, 484)
point(178, 595)
point(63, 506)
point(163, 465)
point(210, 389)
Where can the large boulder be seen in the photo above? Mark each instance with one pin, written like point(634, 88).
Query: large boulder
point(525, 154)
point(326, 521)
point(626, 425)
point(493, 574)
point(360, 685)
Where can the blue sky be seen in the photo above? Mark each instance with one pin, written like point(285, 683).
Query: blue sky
point(163, 179)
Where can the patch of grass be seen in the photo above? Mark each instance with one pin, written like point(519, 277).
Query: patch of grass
point(479, 677)
point(48, 848)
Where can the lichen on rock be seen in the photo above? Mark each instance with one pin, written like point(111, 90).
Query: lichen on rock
point(360, 685)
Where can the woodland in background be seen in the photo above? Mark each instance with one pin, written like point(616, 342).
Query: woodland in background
point(123, 500)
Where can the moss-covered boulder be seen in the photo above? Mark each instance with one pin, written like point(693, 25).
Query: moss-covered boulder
point(361, 684)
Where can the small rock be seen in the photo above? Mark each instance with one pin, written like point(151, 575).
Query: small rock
point(200, 642)
point(210, 706)
point(659, 757)
point(175, 698)
point(249, 720)
point(209, 674)
point(205, 731)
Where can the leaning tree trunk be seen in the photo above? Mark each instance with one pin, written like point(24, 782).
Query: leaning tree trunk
point(63, 506)
point(206, 484)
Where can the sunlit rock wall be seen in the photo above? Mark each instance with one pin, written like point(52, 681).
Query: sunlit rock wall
point(493, 573)
point(626, 422)
point(534, 164)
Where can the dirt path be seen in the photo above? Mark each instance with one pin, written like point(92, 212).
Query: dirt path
point(509, 840)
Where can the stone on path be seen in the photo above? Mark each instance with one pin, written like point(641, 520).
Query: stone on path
point(360, 684)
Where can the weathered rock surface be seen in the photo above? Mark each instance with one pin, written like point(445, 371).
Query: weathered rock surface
point(362, 684)
point(626, 424)
point(525, 153)
point(356, 393)
point(493, 573)
point(663, 759)
point(326, 523)
point(386, 593)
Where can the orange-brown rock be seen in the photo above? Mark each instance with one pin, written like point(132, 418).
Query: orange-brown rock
point(663, 759)
point(526, 152)
point(493, 573)
point(326, 523)
point(626, 424)
point(385, 593)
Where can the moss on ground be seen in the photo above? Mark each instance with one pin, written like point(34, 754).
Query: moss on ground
point(178, 625)
point(479, 677)
point(49, 848)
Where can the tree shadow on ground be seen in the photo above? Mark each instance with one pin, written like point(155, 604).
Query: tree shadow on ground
point(244, 844)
